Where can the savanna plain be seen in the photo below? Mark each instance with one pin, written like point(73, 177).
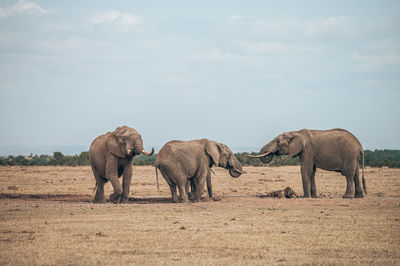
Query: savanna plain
point(46, 217)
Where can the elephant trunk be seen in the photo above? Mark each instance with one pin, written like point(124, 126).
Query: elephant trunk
point(140, 149)
point(264, 157)
point(235, 168)
point(266, 154)
point(235, 173)
point(267, 159)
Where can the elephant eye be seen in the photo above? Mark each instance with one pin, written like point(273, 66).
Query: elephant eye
point(123, 139)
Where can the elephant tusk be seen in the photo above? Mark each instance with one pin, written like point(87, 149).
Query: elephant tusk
point(212, 171)
point(148, 154)
point(237, 170)
point(259, 156)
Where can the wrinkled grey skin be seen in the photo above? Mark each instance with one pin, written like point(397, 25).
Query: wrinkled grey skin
point(333, 150)
point(111, 156)
point(179, 161)
point(192, 186)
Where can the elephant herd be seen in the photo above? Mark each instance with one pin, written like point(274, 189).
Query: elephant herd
point(188, 164)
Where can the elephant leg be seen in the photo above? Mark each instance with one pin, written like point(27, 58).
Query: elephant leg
point(200, 187)
point(116, 196)
point(182, 191)
point(305, 176)
point(126, 183)
point(187, 185)
point(349, 184)
point(172, 187)
point(193, 184)
point(209, 187)
point(190, 182)
point(112, 175)
point(99, 197)
point(359, 191)
point(313, 188)
point(174, 195)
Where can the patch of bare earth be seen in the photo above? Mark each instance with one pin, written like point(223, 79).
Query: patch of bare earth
point(46, 217)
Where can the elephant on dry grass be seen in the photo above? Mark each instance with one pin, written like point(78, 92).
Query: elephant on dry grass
point(111, 156)
point(333, 150)
point(182, 161)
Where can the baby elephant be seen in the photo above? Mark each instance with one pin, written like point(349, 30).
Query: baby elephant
point(181, 161)
point(111, 156)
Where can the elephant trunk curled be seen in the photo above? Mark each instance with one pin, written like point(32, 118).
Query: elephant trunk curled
point(235, 168)
point(140, 149)
point(266, 154)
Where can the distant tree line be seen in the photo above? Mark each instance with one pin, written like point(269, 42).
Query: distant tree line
point(43, 160)
point(376, 158)
point(379, 158)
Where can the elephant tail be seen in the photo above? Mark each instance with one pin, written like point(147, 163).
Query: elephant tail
point(158, 186)
point(363, 178)
point(95, 186)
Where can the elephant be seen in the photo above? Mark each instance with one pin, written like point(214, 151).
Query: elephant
point(333, 150)
point(182, 161)
point(111, 156)
point(192, 185)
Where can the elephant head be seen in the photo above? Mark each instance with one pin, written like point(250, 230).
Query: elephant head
point(125, 141)
point(289, 143)
point(222, 156)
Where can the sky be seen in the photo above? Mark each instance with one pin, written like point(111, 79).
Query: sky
point(238, 72)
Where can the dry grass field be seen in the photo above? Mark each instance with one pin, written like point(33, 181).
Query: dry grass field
point(46, 217)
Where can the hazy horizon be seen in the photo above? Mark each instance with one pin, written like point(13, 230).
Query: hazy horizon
point(236, 72)
point(15, 150)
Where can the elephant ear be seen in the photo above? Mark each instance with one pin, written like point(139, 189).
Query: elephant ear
point(114, 146)
point(213, 150)
point(296, 145)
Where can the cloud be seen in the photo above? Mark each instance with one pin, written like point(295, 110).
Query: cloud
point(71, 44)
point(213, 55)
point(122, 21)
point(312, 27)
point(321, 25)
point(275, 48)
point(374, 61)
point(23, 7)
point(233, 18)
point(377, 54)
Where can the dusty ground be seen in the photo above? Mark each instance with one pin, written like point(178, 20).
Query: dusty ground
point(46, 218)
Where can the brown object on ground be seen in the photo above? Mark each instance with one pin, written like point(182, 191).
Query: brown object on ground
point(288, 192)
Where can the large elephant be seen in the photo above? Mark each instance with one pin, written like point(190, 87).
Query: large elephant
point(333, 150)
point(181, 161)
point(111, 156)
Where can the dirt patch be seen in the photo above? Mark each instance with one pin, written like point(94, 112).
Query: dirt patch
point(52, 218)
point(47, 197)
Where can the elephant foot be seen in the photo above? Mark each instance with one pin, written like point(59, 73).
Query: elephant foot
point(99, 201)
point(306, 196)
point(315, 196)
point(191, 195)
point(124, 200)
point(197, 199)
point(175, 200)
point(347, 196)
point(359, 195)
point(184, 199)
point(115, 198)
